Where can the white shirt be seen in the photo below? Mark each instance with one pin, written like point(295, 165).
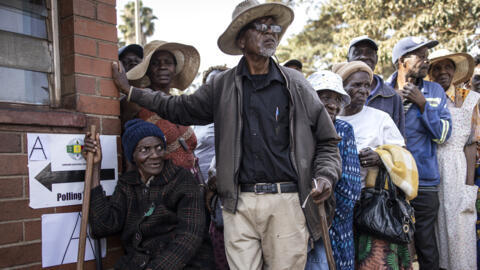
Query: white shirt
point(205, 150)
point(372, 128)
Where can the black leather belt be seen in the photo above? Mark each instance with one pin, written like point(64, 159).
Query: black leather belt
point(269, 188)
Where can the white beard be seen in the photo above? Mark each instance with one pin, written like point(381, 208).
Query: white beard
point(268, 52)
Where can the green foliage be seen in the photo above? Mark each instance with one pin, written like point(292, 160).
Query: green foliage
point(325, 39)
point(128, 27)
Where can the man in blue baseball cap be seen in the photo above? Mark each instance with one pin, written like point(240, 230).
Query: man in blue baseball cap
point(381, 95)
point(428, 123)
point(130, 56)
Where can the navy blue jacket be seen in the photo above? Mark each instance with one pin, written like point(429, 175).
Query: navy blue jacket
point(387, 100)
point(424, 131)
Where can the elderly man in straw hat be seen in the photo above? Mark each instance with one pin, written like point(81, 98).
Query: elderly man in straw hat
point(456, 161)
point(272, 137)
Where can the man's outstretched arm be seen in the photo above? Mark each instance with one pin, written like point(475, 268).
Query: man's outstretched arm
point(194, 109)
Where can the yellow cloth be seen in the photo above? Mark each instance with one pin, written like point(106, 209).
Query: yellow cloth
point(401, 166)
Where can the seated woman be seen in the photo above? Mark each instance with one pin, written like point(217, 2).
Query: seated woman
point(165, 66)
point(372, 128)
point(329, 87)
point(158, 208)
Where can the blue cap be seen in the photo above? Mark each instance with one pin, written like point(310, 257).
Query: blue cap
point(134, 48)
point(410, 44)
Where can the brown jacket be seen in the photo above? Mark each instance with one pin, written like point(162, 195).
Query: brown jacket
point(313, 139)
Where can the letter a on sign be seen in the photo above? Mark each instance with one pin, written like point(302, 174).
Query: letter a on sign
point(38, 147)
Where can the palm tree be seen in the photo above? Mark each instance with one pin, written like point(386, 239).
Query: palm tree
point(128, 28)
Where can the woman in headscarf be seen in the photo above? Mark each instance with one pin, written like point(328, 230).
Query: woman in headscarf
point(158, 208)
point(456, 161)
point(330, 90)
point(372, 128)
point(165, 66)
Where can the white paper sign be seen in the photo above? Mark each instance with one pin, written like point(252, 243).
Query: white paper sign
point(56, 168)
point(60, 237)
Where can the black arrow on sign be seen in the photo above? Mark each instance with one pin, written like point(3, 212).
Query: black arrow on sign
point(46, 177)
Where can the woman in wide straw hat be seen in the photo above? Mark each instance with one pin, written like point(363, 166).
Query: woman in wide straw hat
point(167, 65)
point(456, 161)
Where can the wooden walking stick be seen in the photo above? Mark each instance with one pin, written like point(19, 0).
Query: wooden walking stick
point(326, 237)
point(86, 205)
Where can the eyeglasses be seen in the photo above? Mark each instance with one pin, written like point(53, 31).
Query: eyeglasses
point(261, 27)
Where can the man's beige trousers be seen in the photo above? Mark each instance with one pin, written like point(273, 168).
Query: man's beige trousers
point(268, 231)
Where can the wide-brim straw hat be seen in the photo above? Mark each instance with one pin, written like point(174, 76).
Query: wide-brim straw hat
point(188, 62)
point(464, 64)
point(248, 11)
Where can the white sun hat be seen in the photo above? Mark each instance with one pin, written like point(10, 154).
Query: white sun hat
point(327, 80)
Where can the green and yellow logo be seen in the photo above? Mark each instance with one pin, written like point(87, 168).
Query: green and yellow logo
point(74, 148)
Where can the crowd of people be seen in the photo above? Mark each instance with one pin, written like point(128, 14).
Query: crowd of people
point(238, 174)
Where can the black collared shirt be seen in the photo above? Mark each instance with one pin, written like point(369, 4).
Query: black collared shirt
point(265, 134)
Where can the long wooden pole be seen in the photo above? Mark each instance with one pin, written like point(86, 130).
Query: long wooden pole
point(326, 237)
point(86, 205)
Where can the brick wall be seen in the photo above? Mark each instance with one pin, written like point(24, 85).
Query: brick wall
point(88, 38)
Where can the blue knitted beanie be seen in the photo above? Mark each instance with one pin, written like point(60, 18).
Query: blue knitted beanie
point(136, 130)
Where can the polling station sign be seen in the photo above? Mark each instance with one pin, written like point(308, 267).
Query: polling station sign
point(56, 168)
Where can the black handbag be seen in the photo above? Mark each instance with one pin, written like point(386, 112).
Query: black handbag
point(383, 213)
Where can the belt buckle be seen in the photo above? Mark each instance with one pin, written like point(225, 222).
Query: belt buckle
point(259, 192)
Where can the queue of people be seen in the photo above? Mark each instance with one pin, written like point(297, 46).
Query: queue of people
point(237, 174)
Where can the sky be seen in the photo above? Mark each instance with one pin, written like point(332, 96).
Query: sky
point(200, 23)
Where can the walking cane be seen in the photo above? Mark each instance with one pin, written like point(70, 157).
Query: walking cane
point(326, 236)
point(86, 205)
